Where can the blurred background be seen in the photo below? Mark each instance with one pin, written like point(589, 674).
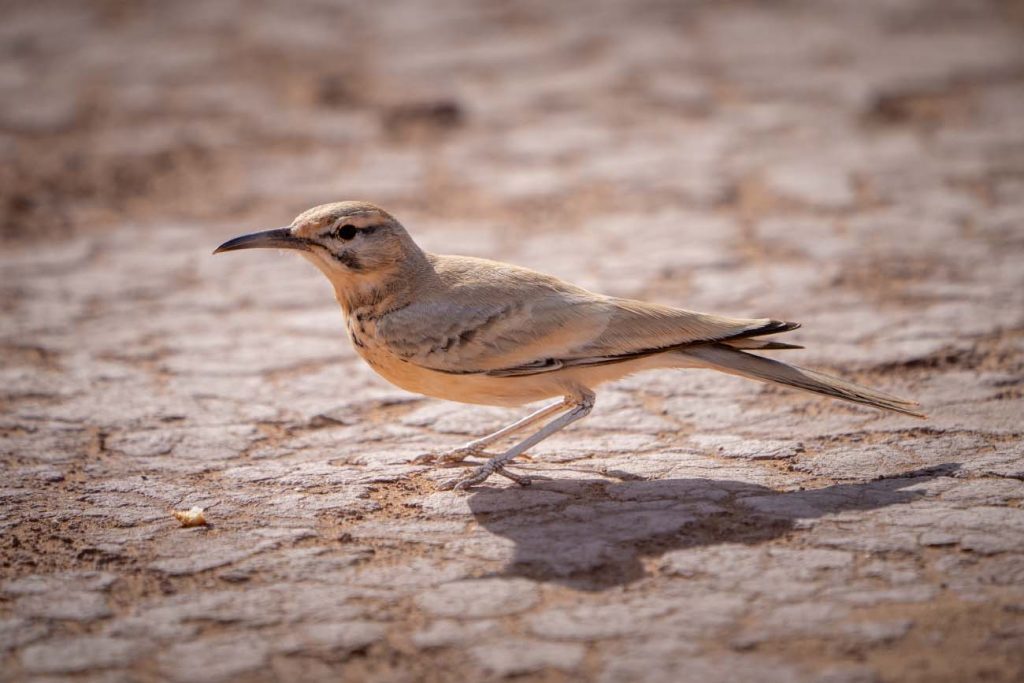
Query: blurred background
point(857, 166)
point(532, 115)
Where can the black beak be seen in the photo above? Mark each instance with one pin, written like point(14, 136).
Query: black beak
point(280, 238)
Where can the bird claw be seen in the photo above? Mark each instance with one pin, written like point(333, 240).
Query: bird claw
point(517, 478)
point(479, 475)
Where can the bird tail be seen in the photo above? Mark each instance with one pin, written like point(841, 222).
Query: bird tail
point(734, 362)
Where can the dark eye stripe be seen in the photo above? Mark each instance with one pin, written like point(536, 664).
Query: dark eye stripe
point(349, 231)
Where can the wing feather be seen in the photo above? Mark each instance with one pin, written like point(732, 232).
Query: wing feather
point(502, 320)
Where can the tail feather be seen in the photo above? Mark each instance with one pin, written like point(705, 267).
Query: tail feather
point(759, 344)
point(730, 360)
point(771, 327)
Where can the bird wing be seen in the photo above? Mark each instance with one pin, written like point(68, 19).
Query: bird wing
point(494, 318)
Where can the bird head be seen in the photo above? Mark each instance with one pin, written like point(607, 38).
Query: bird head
point(354, 244)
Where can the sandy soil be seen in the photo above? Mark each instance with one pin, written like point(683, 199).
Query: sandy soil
point(858, 167)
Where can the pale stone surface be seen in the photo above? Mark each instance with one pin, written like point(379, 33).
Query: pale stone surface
point(452, 633)
point(594, 622)
point(516, 656)
point(814, 184)
point(79, 654)
point(750, 449)
point(77, 606)
point(334, 637)
point(479, 598)
point(217, 658)
point(856, 167)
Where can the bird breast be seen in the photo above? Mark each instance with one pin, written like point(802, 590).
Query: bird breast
point(362, 332)
point(372, 348)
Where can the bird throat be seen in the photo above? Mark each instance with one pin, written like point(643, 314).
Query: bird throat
point(374, 294)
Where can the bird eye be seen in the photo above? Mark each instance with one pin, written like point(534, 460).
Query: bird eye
point(345, 232)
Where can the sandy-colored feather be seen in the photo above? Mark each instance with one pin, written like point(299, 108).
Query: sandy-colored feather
point(485, 316)
point(724, 359)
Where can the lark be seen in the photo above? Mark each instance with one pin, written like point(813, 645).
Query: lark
point(485, 332)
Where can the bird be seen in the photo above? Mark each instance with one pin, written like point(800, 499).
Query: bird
point(479, 331)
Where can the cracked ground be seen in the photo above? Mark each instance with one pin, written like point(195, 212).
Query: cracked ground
point(857, 167)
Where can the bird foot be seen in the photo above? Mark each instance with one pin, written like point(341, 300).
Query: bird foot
point(480, 474)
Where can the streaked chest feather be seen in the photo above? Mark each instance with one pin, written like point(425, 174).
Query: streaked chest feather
point(362, 331)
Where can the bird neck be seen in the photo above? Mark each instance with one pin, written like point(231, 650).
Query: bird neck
point(383, 290)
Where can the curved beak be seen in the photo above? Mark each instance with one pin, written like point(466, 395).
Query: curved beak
point(279, 238)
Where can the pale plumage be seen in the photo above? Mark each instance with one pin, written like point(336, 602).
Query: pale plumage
point(479, 331)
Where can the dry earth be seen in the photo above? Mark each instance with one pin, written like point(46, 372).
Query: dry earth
point(857, 166)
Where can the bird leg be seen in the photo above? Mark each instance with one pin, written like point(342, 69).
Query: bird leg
point(477, 446)
point(581, 407)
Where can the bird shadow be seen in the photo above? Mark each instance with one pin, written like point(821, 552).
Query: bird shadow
point(595, 534)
